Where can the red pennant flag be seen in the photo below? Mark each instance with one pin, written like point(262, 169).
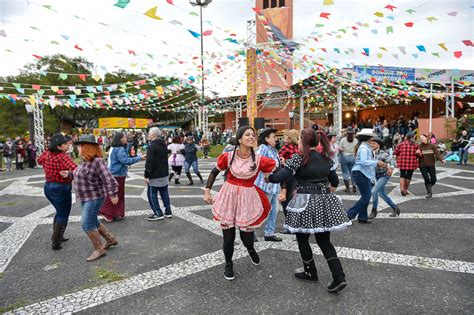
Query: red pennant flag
point(207, 33)
point(82, 77)
point(355, 28)
point(78, 48)
point(468, 43)
point(325, 15)
point(37, 57)
point(460, 104)
point(409, 24)
point(131, 52)
point(458, 54)
point(390, 7)
point(36, 87)
point(233, 34)
point(256, 10)
point(170, 2)
point(60, 92)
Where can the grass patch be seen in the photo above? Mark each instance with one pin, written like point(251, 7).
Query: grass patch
point(10, 307)
point(8, 204)
point(1, 275)
point(215, 151)
point(107, 276)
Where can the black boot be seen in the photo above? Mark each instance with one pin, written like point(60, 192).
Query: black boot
point(395, 212)
point(200, 177)
point(354, 187)
point(339, 278)
point(170, 176)
point(373, 213)
point(63, 229)
point(429, 191)
point(229, 271)
point(176, 181)
point(191, 182)
point(254, 256)
point(56, 237)
point(346, 182)
point(308, 272)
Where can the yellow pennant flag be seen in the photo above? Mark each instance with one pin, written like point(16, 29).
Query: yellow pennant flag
point(443, 45)
point(32, 100)
point(54, 88)
point(379, 55)
point(152, 14)
point(328, 2)
point(379, 14)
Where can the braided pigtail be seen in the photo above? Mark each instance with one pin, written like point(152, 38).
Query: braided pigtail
point(254, 159)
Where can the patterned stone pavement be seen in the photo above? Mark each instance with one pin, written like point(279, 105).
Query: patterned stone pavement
point(421, 261)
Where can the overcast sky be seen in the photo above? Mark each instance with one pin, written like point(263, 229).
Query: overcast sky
point(32, 29)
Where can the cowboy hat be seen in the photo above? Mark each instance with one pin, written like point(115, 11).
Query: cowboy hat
point(86, 139)
point(349, 129)
point(56, 140)
point(265, 133)
point(366, 132)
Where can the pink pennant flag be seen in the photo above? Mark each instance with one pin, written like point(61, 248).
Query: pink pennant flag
point(82, 77)
point(207, 33)
point(36, 87)
point(131, 52)
point(78, 48)
point(37, 57)
point(170, 2)
point(468, 43)
point(458, 54)
point(390, 7)
point(454, 13)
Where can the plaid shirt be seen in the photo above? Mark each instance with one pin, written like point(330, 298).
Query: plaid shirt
point(406, 155)
point(288, 150)
point(53, 163)
point(272, 153)
point(93, 180)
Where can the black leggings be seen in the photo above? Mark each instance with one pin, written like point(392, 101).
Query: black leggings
point(323, 240)
point(177, 169)
point(229, 238)
point(429, 174)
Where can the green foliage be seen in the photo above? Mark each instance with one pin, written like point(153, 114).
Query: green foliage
point(108, 275)
point(14, 119)
point(10, 307)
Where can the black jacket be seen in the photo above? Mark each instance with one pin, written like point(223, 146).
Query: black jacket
point(156, 164)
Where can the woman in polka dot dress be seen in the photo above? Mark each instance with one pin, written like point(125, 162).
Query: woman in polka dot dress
point(314, 209)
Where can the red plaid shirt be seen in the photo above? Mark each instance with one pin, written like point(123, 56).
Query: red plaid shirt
point(287, 151)
point(407, 159)
point(53, 163)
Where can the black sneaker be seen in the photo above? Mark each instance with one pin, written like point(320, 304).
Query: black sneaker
point(169, 216)
point(229, 271)
point(337, 285)
point(155, 217)
point(254, 258)
point(273, 238)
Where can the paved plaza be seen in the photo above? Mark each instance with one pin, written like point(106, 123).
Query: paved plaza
point(421, 262)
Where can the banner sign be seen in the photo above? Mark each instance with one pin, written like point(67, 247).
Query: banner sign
point(122, 122)
point(385, 73)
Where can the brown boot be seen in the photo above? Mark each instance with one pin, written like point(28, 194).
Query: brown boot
point(354, 187)
point(56, 237)
point(109, 237)
point(346, 183)
point(99, 250)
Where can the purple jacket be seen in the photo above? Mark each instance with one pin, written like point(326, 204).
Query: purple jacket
point(93, 180)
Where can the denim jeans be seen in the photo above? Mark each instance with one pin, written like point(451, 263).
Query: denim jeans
point(271, 220)
point(379, 189)
point(9, 163)
point(59, 194)
point(347, 162)
point(463, 156)
point(360, 207)
point(90, 210)
point(152, 194)
point(188, 164)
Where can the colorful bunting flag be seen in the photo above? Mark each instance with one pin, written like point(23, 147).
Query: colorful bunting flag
point(66, 37)
point(78, 48)
point(122, 3)
point(131, 52)
point(152, 13)
point(390, 7)
point(431, 18)
point(82, 77)
point(389, 29)
point(196, 35)
point(379, 14)
point(63, 76)
point(421, 48)
point(468, 43)
point(443, 45)
point(454, 13)
point(2, 33)
point(170, 2)
point(207, 33)
point(37, 56)
point(409, 24)
point(328, 2)
point(175, 22)
point(458, 54)
point(435, 54)
point(366, 51)
point(325, 15)
point(410, 11)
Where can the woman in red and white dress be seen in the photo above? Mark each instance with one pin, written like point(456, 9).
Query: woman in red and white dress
point(239, 203)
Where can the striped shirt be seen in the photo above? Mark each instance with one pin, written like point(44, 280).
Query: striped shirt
point(272, 153)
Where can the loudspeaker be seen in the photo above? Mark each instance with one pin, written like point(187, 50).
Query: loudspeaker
point(259, 123)
point(243, 121)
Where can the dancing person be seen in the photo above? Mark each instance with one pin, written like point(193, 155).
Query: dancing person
point(363, 173)
point(118, 165)
point(156, 175)
point(20, 154)
point(464, 143)
point(190, 159)
point(382, 176)
point(314, 209)
point(334, 147)
point(8, 153)
point(239, 204)
point(93, 182)
point(290, 140)
point(58, 168)
point(266, 147)
point(347, 148)
point(407, 154)
point(176, 159)
point(428, 158)
point(31, 153)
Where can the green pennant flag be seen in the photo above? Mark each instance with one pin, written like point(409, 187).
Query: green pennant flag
point(410, 11)
point(193, 13)
point(63, 76)
point(389, 29)
point(40, 92)
point(122, 3)
point(435, 54)
point(319, 25)
point(16, 85)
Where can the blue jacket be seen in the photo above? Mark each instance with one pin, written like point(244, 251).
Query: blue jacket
point(119, 161)
point(365, 161)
